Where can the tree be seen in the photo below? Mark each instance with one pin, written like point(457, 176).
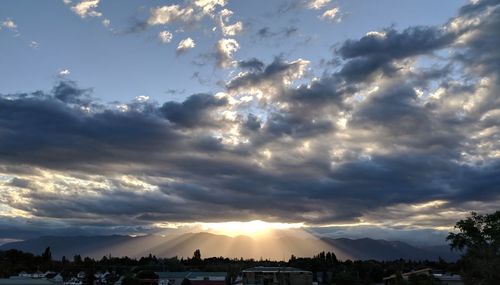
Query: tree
point(77, 259)
point(479, 236)
point(47, 255)
point(197, 255)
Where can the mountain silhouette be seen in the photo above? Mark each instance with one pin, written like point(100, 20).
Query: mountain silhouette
point(276, 248)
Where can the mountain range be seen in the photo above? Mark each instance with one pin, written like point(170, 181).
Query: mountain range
point(277, 248)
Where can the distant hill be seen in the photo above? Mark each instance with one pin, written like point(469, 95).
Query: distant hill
point(277, 248)
point(367, 248)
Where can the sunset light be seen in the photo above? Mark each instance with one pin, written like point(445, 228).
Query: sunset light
point(252, 228)
point(214, 135)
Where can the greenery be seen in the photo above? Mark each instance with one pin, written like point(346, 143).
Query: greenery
point(479, 236)
point(324, 266)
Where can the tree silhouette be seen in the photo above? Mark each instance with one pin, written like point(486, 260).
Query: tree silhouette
point(47, 255)
point(479, 236)
point(197, 255)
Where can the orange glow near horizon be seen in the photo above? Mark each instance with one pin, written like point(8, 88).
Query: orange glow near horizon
point(254, 228)
point(235, 239)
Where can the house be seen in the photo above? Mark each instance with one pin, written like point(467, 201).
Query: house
point(81, 275)
point(446, 279)
point(74, 281)
point(171, 278)
point(101, 278)
point(392, 279)
point(24, 274)
point(262, 275)
point(57, 278)
point(449, 279)
point(207, 278)
point(196, 278)
point(37, 274)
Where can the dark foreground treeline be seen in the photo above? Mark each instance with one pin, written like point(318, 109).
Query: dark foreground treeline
point(325, 266)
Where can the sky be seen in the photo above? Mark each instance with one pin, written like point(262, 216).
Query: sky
point(345, 118)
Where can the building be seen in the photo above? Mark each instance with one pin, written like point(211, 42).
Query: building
point(446, 279)
point(207, 278)
point(171, 278)
point(394, 277)
point(37, 274)
point(74, 281)
point(276, 276)
point(196, 278)
point(27, 281)
point(449, 279)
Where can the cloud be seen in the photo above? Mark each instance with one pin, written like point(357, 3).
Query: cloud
point(378, 51)
point(185, 44)
point(225, 48)
point(317, 4)
point(276, 73)
point(332, 15)
point(382, 142)
point(195, 111)
point(71, 114)
point(67, 92)
point(208, 6)
point(9, 24)
point(106, 23)
point(193, 11)
point(252, 64)
point(86, 8)
point(34, 44)
point(287, 32)
point(168, 14)
point(165, 36)
point(64, 72)
point(229, 29)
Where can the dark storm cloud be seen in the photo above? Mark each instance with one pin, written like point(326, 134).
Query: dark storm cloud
point(272, 72)
point(477, 6)
point(296, 126)
point(396, 106)
point(480, 51)
point(47, 130)
point(68, 92)
point(377, 51)
point(326, 91)
point(252, 122)
point(23, 228)
point(252, 64)
point(194, 111)
point(305, 115)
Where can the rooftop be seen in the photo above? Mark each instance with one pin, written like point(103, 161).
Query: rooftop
point(273, 269)
point(26, 281)
point(189, 274)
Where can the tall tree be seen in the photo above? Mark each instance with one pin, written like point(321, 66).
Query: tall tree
point(197, 255)
point(47, 255)
point(479, 236)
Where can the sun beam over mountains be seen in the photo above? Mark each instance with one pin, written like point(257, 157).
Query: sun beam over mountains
point(254, 229)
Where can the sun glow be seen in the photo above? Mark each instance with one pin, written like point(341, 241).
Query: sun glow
point(251, 228)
